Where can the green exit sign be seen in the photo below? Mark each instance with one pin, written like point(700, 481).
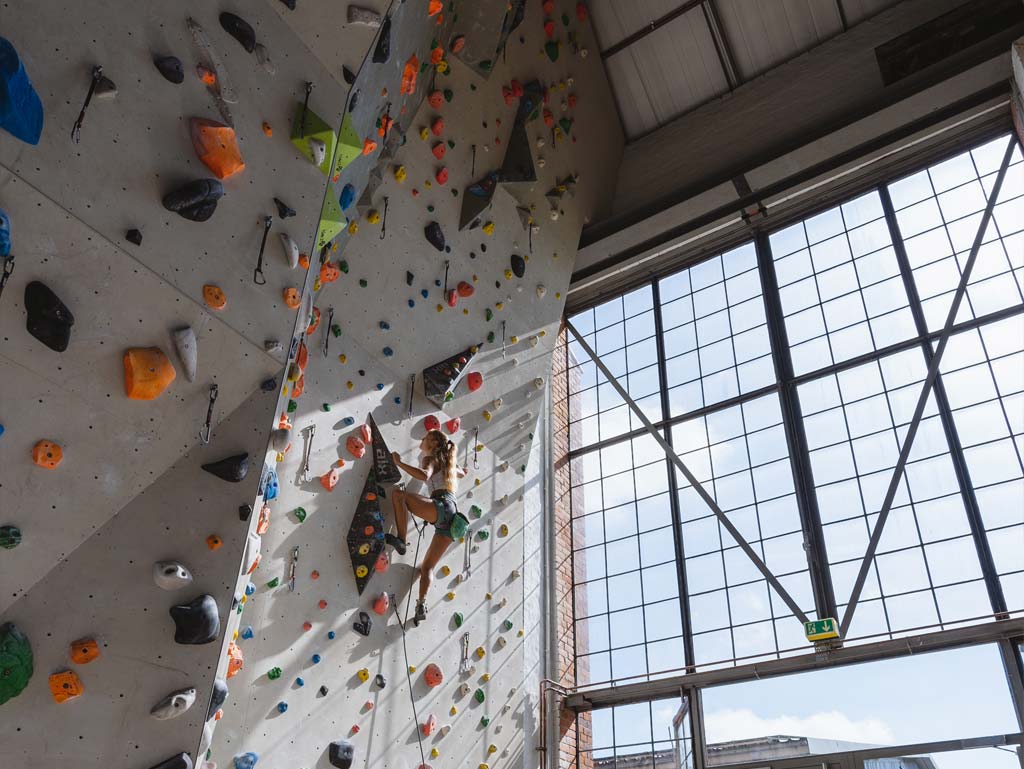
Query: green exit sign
point(822, 630)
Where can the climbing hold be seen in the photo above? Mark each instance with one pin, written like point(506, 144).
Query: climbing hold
point(196, 622)
point(133, 236)
point(180, 761)
point(174, 704)
point(21, 111)
point(47, 454)
point(49, 320)
point(518, 265)
point(214, 297)
point(300, 514)
point(488, 228)
point(83, 651)
point(538, 383)
point(195, 201)
point(15, 650)
point(247, 633)
point(485, 721)
point(171, 575)
point(65, 685)
point(217, 699)
point(291, 298)
point(282, 706)
point(474, 381)
point(492, 748)
point(432, 675)
point(409, 73)
point(434, 235)
point(232, 469)
point(291, 250)
point(503, 530)
point(283, 209)
point(381, 604)
point(382, 563)
point(147, 373)
point(300, 682)
point(367, 17)
point(458, 619)
point(480, 651)
point(340, 753)
point(239, 29)
point(216, 147)
point(274, 673)
point(330, 479)
point(453, 425)
point(268, 130)
point(487, 415)
point(171, 68)
point(437, 127)
point(382, 51)
point(188, 351)
point(441, 175)
point(363, 674)
point(479, 695)
point(427, 727)
point(246, 760)
point(251, 558)
point(475, 511)
point(464, 289)
point(10, 537)
point(454, 711)
point(363, 625)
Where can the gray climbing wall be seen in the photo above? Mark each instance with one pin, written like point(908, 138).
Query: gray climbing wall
point(130, 490)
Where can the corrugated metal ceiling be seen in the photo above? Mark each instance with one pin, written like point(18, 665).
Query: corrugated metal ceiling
point(666, 57)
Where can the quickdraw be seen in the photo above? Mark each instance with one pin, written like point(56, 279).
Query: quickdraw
point(206, 432)
point(328, 329)
point(257, 275)
point(310, 432)
point(76, 130)
point(464, 666)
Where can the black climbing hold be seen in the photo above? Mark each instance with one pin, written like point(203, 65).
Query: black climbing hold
point(518, 265)
point(49, 319)
point(341, 754)
point(434, 235)
point(283, 209)
point(290, 4)
point(323, 691)
point(349, 75)
point(133, 236)
point(233, 468)
point(497, 284)
point(409, 278)
point(362, 372)
point(244, 511)
point(220, 694)
point(382, 51)
point(10, 537)
point(171, 68)
point(180, 761)
point(239, 29)
point(268, 385)
point(196, 622)
point(363, 625)
point(196, 200)
point(379, 681)
point(353, 101)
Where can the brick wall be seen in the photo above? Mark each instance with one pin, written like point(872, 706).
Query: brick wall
point(574, 733)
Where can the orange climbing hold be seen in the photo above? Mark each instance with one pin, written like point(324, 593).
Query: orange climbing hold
point(330, 479)
point(65, 685)
point(263, 524)
point(147, 373)
point(436, 99)
point(437, 56)
point(365, 434)
point(214, 297)
point(437, 127)
point(386, 123)
point(381, 604)
point(267, 129)
point(355, 447)
point(217, 147)
point(432, 675)
point(235, 659)
point(47, 454)
point(329, 273)
point(549, 119)
point(302, 357)
point(315, 322)
point(299, 387)
point(465, 289)
point(441, 175)
point(548, 7)
point(214, 542)
point(409, 73)
point(369, 146)
point(439, 150)
point(84, 650)
point(291, 298)
point(435, 7)
point(304, 261)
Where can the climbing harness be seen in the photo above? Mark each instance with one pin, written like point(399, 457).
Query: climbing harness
point(291, 569)
point(257, 275)
point(384, 219)
point(205, 433)
point(305, 109)
point(328, 329)
point(307, 450)
point(76, 130)
point(464, 666)
point(8, 269)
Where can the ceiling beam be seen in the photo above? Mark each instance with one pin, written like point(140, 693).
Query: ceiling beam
point(650, 27)
point(722, 47)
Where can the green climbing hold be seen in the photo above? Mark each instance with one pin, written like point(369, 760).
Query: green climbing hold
point(551, 49)
point(325, 406)
point(490, 336)
point(472, 86)
point(363, 283)
point(274, 673)
point(484, 721)
point(459, 619)
point(451, 144)
point(522, 468)
point(430, 209)
point(486, 65)
point(15, 662)
point(489, 314)
point(483, 535)
point(274, 582)
point(300, 513)
point(479, 696)
point(343, 266)
point(449, 94)
point(292, 405)
point(336, 330)
point(475, 511)
point(10, 537)
point(506, 625)
point(566, 125)
point(565, 19)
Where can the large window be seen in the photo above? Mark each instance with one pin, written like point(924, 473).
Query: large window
point(785, 373)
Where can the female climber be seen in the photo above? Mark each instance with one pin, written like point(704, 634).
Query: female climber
point(439, 470)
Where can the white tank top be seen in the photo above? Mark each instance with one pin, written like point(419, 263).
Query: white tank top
point(436, 482)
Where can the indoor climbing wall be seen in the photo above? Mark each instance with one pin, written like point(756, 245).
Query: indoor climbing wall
point(402, 290)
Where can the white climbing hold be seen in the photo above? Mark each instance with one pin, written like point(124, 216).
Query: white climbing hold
point(541, 162)
point(291, 250)
point(272, 345)
point(367, 17)
point(541, 292)
point(443, 731)
point(318, 150)
point(463, 689)
point(252, 552)
point(171, 575)
point(553, 214)
point(263, 57)
point(174, 704)
point(534, 340)
point(188, 351)
point(497, 403)
point(503, 467)
point(515, 574)
point(538, 383)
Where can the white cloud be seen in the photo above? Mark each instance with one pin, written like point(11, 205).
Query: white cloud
point(728, 724)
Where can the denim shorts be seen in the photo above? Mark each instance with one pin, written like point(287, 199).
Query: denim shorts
point(450, 522)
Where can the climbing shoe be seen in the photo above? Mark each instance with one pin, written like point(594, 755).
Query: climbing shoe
point(421, 613)
point(396, 543)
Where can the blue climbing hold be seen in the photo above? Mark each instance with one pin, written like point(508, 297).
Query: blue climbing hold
point(348, 196)
point(269, 485)
point(437, 283)
point(316, 659)
point(412, 303)
point(388, 352)
point(424, 293)
point(398, 400)
point(2, 429)
point(380, 385)
point(331, 634)
point(250, 589)
point(246, 760)
point(21, 111)
point(385, 326)
point(5, 234)
point(282, 707)
point(299, 682)
point(247, 632)
point(348, 421)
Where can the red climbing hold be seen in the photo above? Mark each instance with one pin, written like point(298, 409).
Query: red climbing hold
point(549, 119)
point(432, 675)
point(355, 447)
point(436, 99)
point(517, 89)
point(548, 7)
point(307, 626)
point(381, 604)
point(322, 604)
point(434, 7)
point(430, 422)
point(453, 297)
point(330, 479)
point(429, 725)
point(382, 563)
point(439, 149)
point(365, 433)
point(549, 29)
point(457, 44)
point(507, 95)
point(474, 380)
point(465, 289)
point(581, 11)
point(437, 127)
point(442, 175)
point(453, 425)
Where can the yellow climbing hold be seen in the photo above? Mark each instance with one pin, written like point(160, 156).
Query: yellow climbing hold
point(479, 447)
point(343, 358)
point(445, 570)
point(508, 274)
point(450, 595)
point(465, 311)
point(520, 633)
point(412, 668)
point(487, 415)
point(434, 752)
point(499, 305)
point(453, 711)
point(364, 675)
point(400, 174)
point(424, 133)
point(373, 217)
point(489, 596)
point(316, 284)
point(442, 66)
point(476, 481)
point(427, 184)
point(440, 308)
point(353, 228)
point(485, 677)
point(492, 748)
point(542, 333)
point(349, 384)
point(558, 295)
point(480, 653)
point(514, 339)
point(489, 228)
point(279, 457)
point(503, 530)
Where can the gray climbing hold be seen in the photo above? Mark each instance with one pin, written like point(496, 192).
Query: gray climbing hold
point(196, 622)
point(49, 319)
point(364, 16)
point(232, 469)
point(180, 761)
point(171, 68)
point(435, 237)
point(174, 704)
point(280, 438)
point(239, 29)
point(283, 209)
point(195, 201)
point(263, 57)
point(349, 75)
point(291, 250)
point(188, 351)
point(171, 575)
point(341, 754)
point(217, 699)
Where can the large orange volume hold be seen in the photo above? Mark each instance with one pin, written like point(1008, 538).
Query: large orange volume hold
point(216, 146)
point(147, 372)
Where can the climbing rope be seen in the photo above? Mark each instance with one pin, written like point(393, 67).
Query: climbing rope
point(405, 648)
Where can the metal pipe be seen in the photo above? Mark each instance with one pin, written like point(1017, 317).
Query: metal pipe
point(545, 687)
point(926, 389)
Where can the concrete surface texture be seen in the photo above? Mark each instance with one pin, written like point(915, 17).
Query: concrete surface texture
point(130, 490)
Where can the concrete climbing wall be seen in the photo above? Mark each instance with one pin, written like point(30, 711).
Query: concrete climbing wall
point(307, 634)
